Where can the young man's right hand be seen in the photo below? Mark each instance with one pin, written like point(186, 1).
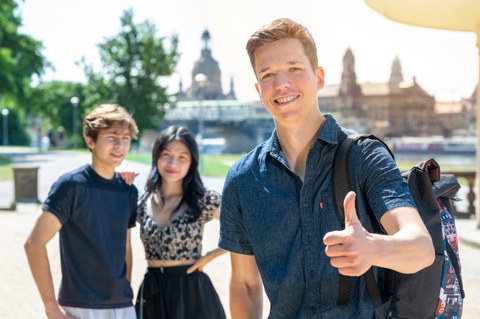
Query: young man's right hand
point(56, 312)
point(351, 250)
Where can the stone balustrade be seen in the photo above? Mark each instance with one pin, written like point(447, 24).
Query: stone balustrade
point(467, 178)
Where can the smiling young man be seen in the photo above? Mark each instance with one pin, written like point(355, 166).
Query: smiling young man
point(277, 213)
point(93, 210)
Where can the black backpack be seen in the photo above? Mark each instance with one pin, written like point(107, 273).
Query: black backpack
point(434, 292)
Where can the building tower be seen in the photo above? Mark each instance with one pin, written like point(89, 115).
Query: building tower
point(211, 88)
point(349, 86)
point(396, 76)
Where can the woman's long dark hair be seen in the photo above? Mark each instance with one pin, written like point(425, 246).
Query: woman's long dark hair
point(193, 189)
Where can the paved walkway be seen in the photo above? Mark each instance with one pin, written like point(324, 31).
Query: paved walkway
point(19, 297)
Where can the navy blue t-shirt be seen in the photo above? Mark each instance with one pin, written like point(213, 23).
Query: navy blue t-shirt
point(95, 214)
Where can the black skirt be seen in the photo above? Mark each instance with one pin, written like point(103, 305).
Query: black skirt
point(171, 293)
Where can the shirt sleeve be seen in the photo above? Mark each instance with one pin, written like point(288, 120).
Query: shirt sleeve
point(384, 186)
point(233, 236)
point(59, 200)
point(134, 209)
point(210, 203)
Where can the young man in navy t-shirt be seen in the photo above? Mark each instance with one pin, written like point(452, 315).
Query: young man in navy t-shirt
point(93, 209)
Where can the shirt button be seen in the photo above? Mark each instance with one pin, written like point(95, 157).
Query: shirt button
point(313, 309)
point(305, 205)
point(309, 238)
point(311, 273)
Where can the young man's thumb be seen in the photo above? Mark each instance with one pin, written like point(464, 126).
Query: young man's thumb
point(351, 217)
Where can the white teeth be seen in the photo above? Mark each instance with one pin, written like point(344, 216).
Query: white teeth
point(286, 99)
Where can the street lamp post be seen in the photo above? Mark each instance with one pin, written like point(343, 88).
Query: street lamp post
point(201, 80)
point(74, 101)
point(5, 126)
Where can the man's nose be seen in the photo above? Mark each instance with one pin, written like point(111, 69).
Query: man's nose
point(120, 142)
point(282, 81)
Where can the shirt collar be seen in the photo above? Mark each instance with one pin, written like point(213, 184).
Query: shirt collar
point(271, 147)
point(330, 133)
point(330, 130)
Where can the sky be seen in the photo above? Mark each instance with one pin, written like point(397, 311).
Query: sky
point(444, 63)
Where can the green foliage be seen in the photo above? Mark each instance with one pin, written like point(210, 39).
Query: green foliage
point(20, 60)
point(51, 101)
point(133, 63)
point(17, 134)
point(20, 54)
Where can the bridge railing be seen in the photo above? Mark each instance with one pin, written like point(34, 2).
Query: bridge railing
point(215, 111)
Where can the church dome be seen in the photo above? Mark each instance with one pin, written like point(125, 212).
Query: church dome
point(207, 65)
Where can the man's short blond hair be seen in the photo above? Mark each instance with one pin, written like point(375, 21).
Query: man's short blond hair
point(280, 29)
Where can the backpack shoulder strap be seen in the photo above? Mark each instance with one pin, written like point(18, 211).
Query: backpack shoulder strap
point(341, 186)
point(456, 267)
point(341, 174)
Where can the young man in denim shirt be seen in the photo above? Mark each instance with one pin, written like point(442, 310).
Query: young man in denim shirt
point(278, 216)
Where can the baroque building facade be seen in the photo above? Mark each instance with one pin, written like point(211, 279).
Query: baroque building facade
point(389, 109)
point(210, 86)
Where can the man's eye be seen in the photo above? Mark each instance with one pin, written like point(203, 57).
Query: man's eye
point(266, 76)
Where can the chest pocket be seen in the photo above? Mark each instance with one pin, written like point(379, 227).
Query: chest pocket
point(324, 212)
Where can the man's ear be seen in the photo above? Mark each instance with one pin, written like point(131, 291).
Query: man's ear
point(89, 141)
point(320, 77)
point(257, 87)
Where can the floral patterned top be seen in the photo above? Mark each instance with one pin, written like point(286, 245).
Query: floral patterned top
point(181, 239)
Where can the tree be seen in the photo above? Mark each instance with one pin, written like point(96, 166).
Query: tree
point(20, 54)
point(52, 102)
point(17, 135)
point(133, 63)
point(20, 60)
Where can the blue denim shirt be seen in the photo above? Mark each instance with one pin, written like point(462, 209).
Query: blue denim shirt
point(268, 212)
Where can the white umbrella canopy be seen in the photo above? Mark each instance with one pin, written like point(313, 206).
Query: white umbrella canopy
point(456, 15)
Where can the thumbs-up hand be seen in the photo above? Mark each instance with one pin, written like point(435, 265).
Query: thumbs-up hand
point(350, 250)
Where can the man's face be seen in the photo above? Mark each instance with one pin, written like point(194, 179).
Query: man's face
point(111, 147)
point(286, 82)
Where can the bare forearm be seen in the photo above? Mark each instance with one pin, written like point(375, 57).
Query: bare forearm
point(245, 302)
point(216, 253)
point(129, 261)
point(407, 251)
point(41, 272)
point(129, 256)
point(408, 247)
